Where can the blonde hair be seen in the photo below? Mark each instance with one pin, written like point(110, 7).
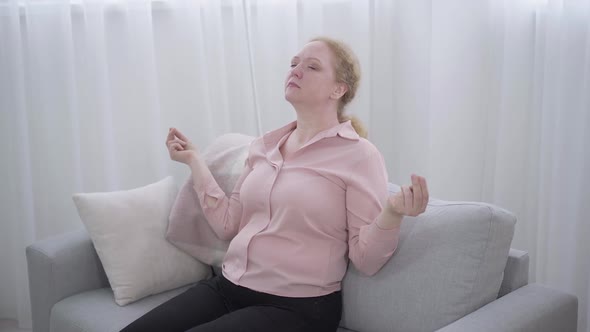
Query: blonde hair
point(348, 71)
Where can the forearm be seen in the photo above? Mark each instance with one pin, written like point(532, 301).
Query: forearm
point(214, 202)
point(200, 174)
point(222, 212)
point(376, 240)
point(376, 243)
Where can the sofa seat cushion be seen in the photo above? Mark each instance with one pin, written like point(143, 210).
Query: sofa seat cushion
point(86, 312)
point(96, 311)
point(449, 262)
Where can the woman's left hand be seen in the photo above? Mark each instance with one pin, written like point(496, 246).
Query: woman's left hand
point(410, 200)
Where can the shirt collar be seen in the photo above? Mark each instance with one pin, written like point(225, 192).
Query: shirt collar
point(344, 130)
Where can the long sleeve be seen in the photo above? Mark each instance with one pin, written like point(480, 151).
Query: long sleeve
point(369, 245)
point(222, 212)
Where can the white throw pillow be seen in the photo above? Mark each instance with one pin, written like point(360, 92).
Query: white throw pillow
point(128, 231)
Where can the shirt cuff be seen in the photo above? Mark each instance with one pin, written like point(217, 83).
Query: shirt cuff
point(378, 234)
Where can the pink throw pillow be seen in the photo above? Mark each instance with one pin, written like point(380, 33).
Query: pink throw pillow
point(188, 228)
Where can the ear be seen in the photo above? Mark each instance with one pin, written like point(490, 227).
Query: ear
point(339, 91)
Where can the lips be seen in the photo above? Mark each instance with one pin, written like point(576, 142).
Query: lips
point(293, 84)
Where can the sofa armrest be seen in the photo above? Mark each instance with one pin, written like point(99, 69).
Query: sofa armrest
point(531, 308)
point(59, 267)
point(516, 272)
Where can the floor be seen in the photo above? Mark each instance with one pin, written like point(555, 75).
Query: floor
point(10, 326)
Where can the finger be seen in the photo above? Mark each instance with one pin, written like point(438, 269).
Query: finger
point(425, 193)
point(418, 203)
point(408, 201)
point(424, 200)
point(178, 140)
point(403, 195)
point(176, 147)
point(170, 136)
point(179, 134)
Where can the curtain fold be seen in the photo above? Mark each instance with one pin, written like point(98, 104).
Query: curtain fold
point(489, 100)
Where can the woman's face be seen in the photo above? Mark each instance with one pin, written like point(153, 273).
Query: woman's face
point(311, 79)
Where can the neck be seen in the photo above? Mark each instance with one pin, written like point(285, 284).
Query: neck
point(311, 121)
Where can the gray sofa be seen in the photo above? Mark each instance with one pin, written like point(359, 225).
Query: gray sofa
point(453, 270)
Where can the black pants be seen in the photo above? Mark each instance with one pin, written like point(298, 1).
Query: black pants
point(218, 305)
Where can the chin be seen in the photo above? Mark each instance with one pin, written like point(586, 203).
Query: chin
point(289, 97)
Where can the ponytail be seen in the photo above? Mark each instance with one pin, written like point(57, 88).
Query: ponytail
point(358, 126)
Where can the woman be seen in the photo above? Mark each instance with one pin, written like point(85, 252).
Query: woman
point(313, 195)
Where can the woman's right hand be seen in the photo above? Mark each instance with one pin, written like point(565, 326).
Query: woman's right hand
point(180, 147)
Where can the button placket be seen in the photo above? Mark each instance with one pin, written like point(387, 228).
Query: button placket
point(252, 229)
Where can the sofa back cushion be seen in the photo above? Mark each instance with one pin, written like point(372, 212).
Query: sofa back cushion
point(448, 263)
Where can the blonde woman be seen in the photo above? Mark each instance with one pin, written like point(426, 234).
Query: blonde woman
point(313, 195)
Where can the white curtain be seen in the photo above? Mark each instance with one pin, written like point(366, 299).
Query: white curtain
point(489, 99)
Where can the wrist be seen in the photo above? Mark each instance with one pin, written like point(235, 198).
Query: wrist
point(193, 159)
point(389, 219)
point(389, 212)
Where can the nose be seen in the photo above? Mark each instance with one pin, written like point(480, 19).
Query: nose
point(297, 72)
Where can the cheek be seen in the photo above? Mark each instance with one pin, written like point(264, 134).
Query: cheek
point(323, 86)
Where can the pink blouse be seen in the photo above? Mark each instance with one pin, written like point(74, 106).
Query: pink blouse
point(294, 223)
